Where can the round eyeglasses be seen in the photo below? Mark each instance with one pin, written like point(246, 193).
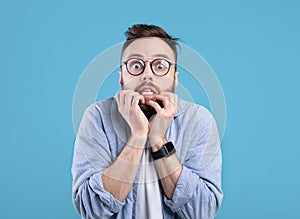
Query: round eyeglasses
point(136, 66)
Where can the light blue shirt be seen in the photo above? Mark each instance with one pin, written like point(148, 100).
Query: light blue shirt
point(102, 135)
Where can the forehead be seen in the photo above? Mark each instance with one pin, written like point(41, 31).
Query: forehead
point(149, 47)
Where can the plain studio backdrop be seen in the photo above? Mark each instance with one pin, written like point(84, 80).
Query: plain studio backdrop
point(252, 46)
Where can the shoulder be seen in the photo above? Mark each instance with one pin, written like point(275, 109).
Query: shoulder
point(192, 111)
point(101, 107)
point(99, 112)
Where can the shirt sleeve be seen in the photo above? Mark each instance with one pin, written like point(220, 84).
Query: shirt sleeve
point(198, 192)
point(91, 157)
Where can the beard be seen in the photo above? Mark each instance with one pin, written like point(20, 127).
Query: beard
point(149, 111)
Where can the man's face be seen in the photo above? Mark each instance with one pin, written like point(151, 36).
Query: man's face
point(147, 83)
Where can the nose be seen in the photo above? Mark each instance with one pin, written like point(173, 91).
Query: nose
point(147, 74)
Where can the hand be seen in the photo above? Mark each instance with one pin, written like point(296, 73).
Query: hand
point(161, 121)
point(128, 104)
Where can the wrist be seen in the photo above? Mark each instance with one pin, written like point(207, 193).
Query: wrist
point(157, 143)
point(166, 150)
point(137, 141)
point(140, 133)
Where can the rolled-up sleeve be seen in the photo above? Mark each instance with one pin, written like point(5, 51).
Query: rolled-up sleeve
point(91, 157)
point(198, 192)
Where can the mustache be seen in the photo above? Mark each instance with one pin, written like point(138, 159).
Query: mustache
point(147, 83)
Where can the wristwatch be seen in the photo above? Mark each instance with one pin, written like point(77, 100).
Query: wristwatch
point(166, 151)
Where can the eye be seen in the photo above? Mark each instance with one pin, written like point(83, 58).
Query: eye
point(160, 65)
point(136, 66)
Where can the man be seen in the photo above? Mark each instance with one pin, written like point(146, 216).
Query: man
point(146, 153)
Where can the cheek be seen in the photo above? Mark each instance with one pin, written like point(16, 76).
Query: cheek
point(166, 82)
point(124, 78)
point(129, 82)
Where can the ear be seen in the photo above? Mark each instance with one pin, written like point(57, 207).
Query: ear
point(176, 78)
point(120, 78)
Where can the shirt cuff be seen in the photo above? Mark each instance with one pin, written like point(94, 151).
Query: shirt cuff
point(185, 188)
point(97, 186)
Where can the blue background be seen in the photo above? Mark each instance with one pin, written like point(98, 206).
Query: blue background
point(253, 47)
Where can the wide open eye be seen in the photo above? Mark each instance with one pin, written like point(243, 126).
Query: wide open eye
point(135, 66)
point(160, 66)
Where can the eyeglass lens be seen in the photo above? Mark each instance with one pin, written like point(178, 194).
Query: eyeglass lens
point(137, 66)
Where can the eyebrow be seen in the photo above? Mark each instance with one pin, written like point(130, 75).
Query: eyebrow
point(156, 55)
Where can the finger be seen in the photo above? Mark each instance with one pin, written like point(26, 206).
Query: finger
point(128, 100)
point(117, 98)
point(155, 105)
point(133, 99)
point(173, 98)
point(138, 99)
point(164, 99)
point(121, 97)
point(123, 94)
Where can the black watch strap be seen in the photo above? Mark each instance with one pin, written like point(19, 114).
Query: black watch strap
point(166, 150)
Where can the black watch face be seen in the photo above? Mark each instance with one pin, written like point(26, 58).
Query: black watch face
point(167, 150)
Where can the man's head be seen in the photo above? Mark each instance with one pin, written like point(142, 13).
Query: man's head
point(148, 61)
point(143, 30)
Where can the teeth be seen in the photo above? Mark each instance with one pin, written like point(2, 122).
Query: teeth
point(147, 92)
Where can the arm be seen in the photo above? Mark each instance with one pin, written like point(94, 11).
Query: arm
point(92, 155)
point(168, 170)
point(193, 188)
point(118, 178)
point(97, 192)
point(198, 192)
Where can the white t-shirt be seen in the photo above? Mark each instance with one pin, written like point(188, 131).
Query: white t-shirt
point(148, 195)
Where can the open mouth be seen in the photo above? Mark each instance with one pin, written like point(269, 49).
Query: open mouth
point(147, 91)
